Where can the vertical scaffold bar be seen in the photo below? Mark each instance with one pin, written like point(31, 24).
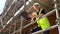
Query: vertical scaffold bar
point(57, 15)
point(15, 26)
point(24, 5)
point(1, 22)
point(10, 29)
point(21, 25)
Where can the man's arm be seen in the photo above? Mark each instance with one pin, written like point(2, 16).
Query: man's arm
point(32, 17)
point(38, 16)
point(35, 16)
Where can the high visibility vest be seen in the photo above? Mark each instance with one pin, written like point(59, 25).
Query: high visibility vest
point(44, 22)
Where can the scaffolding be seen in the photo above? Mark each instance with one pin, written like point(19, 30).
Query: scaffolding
point(23, 8)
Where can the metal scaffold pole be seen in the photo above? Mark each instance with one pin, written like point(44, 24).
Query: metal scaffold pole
point(1, 22)
point(15, 26)
point(24, 5)
point(52, 27)
point(10, 29)
point(57, 14)
point(22, 18)
point(21, 25)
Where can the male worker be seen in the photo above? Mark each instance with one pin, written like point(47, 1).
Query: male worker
point(42, 23)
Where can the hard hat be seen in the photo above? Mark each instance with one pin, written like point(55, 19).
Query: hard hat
point(36, 4)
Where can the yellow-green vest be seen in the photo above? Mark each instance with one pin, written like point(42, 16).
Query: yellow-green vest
point(44, 22)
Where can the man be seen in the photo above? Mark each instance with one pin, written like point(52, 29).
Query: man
point(42, 23)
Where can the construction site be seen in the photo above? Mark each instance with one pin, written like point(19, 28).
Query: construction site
point(15, 17)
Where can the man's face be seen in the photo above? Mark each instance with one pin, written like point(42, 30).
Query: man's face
point(37, 7)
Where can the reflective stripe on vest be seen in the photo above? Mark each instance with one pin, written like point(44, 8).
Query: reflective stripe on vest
point(39, 14)
point(44, 22)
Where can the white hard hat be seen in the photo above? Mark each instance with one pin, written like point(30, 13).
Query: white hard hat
point(36, 4)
